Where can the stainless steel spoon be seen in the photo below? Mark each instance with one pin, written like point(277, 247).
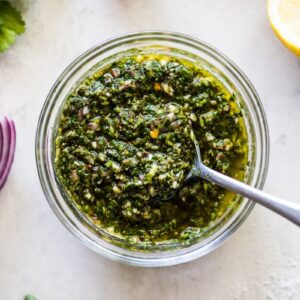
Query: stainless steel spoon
point(289, 210)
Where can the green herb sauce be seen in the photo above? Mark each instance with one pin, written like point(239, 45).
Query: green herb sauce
point(126, 135)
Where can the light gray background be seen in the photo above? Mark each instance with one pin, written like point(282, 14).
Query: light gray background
point(38, 255)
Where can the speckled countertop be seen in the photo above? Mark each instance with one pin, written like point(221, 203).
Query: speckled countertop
point(38, 255)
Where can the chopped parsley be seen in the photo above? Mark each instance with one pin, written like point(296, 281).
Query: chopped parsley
point(126, 136)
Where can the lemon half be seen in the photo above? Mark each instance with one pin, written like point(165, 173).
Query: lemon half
point(284, 16)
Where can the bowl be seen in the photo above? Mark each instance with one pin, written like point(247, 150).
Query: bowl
point(182, 46)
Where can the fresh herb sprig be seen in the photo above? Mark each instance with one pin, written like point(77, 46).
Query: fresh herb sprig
point(11, 25)
point(29, 297)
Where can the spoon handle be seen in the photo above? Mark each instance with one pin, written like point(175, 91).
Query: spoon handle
point(289, 210)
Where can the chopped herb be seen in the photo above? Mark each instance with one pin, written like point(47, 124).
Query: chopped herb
point(126, 135)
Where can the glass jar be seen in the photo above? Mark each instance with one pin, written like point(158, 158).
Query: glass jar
point(181, 46)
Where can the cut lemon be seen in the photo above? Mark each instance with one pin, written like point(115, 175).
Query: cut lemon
point(284, 16)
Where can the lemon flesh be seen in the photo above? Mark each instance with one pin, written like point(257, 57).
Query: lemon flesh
point(284, 16)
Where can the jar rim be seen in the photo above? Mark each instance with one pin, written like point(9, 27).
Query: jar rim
point(52, 192)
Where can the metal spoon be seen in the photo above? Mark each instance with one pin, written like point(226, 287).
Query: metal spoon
point(289, 210)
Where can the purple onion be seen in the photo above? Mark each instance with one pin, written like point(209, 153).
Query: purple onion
point(7, 147)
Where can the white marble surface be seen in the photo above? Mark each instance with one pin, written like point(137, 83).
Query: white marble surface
point(38, 255)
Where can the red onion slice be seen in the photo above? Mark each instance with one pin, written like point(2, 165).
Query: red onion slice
point(5, 145)
point(1, 142)
point(8, 148)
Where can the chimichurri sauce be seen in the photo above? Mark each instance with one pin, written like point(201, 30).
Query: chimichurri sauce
point(126, 135)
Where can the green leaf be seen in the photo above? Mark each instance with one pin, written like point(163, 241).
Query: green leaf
point(11, 25)
point(29, 297)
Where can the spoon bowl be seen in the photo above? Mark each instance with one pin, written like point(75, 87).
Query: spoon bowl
point(289, 210)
